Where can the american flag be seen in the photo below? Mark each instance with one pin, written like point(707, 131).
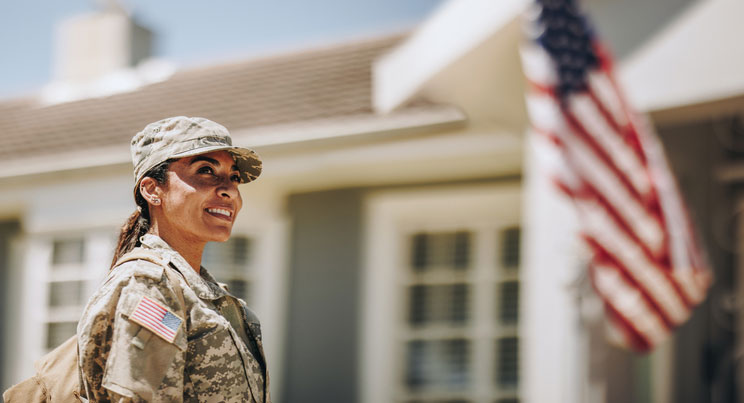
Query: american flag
point(156, 318)
point(646, 265)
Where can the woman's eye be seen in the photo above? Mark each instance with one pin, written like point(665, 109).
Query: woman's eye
point(235, 178)
point(205, 170)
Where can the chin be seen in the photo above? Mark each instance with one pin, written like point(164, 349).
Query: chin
point(221, 236)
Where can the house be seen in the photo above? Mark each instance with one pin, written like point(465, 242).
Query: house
point(383, 246)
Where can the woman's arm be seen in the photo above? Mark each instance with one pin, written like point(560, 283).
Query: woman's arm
point(132, 338)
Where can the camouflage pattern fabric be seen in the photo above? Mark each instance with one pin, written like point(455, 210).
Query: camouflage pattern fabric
point(210, 359)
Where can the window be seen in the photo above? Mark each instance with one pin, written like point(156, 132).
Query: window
point(438, 337)
point(441, 303)
point(66, 290)
point(67, 251)
point(230, 262)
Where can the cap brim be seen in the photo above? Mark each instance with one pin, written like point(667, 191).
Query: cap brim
point(249, 163)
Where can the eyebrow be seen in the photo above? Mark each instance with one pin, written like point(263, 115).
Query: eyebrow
point(211, 161)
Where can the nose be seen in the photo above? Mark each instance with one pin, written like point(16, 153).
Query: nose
point(228, 189)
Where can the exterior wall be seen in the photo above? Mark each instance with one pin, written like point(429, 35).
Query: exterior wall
point(9, 231)
point(321, 343)
point(332, 339)
point(704, 347)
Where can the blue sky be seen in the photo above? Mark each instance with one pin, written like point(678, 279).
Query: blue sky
point(190, 32)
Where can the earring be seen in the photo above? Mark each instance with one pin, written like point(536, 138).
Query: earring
point(156, 201)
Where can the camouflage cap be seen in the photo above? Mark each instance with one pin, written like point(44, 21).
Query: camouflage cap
point(182, 136)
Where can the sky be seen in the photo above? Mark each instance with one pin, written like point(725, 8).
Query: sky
point(197, 33)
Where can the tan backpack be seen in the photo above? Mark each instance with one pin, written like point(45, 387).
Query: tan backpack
point(57, 378)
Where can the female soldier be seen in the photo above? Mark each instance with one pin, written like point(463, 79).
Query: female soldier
point(161, 328)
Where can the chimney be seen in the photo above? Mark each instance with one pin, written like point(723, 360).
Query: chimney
point(93, 45)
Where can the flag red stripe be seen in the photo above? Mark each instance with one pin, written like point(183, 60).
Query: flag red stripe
point(152, 314)
point(612, 211)
point(637, 339)
point(600, 152)
point(628, 136)
point(153, 308)
point(155, 326)
point(634, 337)
point(158, 316)
point(662, 265)
point(562, 186)
point(621, 223)
point(627, 132)
point(602, 254)
point(603, 111)
point(154, 305)
point(541, 88)
point(550, 136)
point(157, 322)
point(615, 214)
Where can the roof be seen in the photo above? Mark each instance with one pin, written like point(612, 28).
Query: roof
point(304, 86)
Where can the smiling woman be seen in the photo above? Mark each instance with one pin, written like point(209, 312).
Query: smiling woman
point(207, 343)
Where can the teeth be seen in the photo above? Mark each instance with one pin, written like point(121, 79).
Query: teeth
point(220, 211)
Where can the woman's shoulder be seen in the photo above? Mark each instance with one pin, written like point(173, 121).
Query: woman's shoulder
point(135, 276)
point(138, 268)
point(141, 262)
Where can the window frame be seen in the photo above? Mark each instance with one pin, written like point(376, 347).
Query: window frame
point(393, 216)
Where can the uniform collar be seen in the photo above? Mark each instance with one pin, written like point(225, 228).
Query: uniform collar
point(203, 284)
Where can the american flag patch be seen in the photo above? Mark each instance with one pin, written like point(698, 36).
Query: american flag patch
point(156, 318)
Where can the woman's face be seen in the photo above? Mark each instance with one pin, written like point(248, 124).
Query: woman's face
point(200, 199)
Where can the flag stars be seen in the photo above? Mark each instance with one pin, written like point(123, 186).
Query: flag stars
point(567, 39)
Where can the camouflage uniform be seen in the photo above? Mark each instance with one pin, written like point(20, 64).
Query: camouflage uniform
point(210, 359)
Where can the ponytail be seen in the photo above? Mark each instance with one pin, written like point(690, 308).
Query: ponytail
point(136, 226)
point(138, 223)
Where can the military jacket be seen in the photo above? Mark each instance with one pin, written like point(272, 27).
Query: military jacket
point(214, 356)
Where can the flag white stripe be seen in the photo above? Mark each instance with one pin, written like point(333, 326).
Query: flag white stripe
point(628, 301)
point(537, 65)
point(605, 92)
point(644, 272)
point(594, 171)
point(587, 112)
point(154, 308)
point(157, 322)
point(154, 326)
point(544, 109)
point(150, 315)
point(694, 290)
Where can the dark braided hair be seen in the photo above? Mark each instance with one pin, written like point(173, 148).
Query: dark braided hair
point(139, 222)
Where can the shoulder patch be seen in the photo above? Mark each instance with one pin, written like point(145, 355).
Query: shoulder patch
point(155, 317)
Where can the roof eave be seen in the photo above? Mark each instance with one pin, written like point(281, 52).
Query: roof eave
point(443, 39)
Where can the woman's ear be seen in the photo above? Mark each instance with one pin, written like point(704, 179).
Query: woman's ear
point(150, 190)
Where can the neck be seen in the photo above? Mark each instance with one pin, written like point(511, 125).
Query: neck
point(190, 250)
